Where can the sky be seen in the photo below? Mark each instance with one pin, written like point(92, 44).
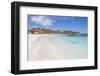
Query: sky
point(71, 23)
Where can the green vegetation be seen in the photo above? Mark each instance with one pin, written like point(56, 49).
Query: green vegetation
point(49, 31)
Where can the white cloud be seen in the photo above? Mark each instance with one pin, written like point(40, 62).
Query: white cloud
point(42, 20)
point(34, 26)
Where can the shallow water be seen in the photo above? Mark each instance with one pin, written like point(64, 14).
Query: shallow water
point(82, 40)
point(75, 44)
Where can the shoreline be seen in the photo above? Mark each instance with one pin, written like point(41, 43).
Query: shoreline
point(42, 48)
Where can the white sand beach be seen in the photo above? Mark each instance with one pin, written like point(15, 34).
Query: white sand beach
point(42, 48)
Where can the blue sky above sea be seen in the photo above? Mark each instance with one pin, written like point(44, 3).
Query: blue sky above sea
point(71, 23)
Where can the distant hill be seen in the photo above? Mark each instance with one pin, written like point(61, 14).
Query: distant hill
point(49, 31)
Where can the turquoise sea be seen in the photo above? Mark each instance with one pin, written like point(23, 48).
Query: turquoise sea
point(75, 44)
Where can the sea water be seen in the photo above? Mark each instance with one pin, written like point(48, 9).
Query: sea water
point(76, 44)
